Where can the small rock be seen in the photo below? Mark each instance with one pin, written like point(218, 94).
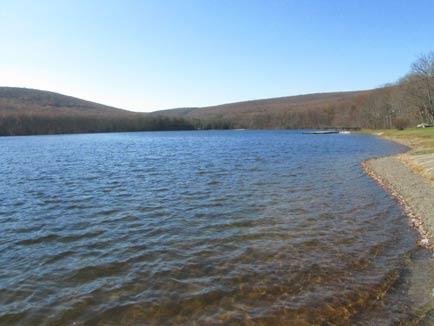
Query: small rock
point(424, 242)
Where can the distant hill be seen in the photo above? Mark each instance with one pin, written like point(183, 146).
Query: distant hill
point(26, 111)
point(302, 111)
point(25, 99)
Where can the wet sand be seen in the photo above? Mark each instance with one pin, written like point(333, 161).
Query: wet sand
point(413, 190)
point(407, 181)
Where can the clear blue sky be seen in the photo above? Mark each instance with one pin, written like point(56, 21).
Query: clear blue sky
point(149, 55)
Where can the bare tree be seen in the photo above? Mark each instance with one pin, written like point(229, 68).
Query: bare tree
point(420, 86)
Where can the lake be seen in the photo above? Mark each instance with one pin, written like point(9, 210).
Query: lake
point(202, 227)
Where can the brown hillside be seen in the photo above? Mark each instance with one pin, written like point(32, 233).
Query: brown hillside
point(302, 111)
point(31, 112)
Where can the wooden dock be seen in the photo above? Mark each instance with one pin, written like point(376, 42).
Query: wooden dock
point(321, 132)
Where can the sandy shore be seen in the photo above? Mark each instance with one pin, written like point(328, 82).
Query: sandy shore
point(413, 190)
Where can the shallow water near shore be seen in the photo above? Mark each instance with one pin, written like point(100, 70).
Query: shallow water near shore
point(207, 227)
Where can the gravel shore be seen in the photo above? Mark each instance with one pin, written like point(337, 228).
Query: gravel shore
point(414, 192)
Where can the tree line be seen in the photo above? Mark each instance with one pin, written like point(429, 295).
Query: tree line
point(57, 123)
point(407, 102)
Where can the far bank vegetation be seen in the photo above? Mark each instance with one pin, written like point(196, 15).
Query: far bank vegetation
point(407, 102)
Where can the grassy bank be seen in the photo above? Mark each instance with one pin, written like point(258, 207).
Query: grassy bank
point(420, 140)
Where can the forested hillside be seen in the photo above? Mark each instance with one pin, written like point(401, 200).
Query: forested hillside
point(303, 111)
point(32, 112)
point(407, 102)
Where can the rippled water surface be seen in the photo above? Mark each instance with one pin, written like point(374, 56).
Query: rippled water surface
point(271, 227)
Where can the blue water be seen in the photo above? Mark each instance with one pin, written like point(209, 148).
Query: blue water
point(206, 227)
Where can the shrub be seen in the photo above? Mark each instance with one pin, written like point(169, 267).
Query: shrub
point(400, 123)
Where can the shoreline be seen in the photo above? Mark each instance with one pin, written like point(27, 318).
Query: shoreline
point(409, 184)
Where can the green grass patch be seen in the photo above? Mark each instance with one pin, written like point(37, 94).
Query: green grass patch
point(421, 140)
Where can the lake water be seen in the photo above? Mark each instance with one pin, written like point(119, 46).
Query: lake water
point(269, 227)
